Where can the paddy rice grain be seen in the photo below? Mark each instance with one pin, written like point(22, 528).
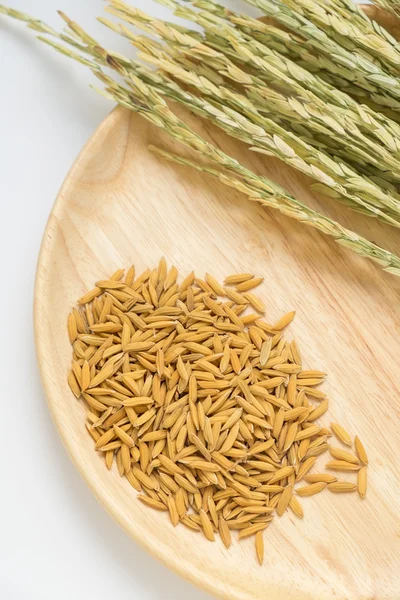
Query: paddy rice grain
point(260, 547)
point(205, 409)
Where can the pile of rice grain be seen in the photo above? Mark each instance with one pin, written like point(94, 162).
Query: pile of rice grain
point(204, 406)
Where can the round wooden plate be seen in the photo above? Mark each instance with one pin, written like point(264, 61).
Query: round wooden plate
point(121, 205)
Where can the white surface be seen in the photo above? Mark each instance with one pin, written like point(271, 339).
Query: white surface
point(56, 541)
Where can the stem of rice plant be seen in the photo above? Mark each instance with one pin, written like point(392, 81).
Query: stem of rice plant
point(145, 101)
point(364, 72)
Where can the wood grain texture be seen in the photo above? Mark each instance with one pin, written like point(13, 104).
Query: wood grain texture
point(121, 205)
point(384, 18)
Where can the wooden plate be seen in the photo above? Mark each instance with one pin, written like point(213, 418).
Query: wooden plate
point(121, 205)
point(384, 18)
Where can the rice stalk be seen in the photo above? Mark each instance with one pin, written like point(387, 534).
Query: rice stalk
point(365, 73)
point(150, 105)
point(352, 31)
point(278, 70)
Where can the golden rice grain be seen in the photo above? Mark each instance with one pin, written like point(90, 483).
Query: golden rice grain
point(311, 374)
point(110, 284)
point(213, 511)
point(233, 419)
point(362, 481)
point(207, 526)
point(224, 532)
point(281, 474)
point(284, 321)
point(259, 540)
point(313, 392)
point(305, 467)
point(188, 522)
point(320, 477)
point(85, 376)
point(317, 450)
point(169, 465)
point(255, 302)
point(105, 438)
point(93, 432)
point(135, 483)
point(249, 284)
point(81, 320)
point(235, 296)
point(296, 507)
point(203, 465)
point(362, 455)
point(290, 436)
point(310, 490)
point(208, 413)
point(260, 447)
point(145, 479)
point(154, 436)
point(105, 373)
point(235, 362)
point(308, 432)
point(170, 278)
point(265, 352)
point(125, 458)
point(72, 328)
point(284, 500)
point(341, 434)
point(117, 275)
point(173, 513)
point(251, 530)
point(180, 503)
point(152, 502)
point(120, 464)
point(343, 455)
point(270, 488)
point(89, 296)
point(200, 446)
point(308, 382)
point(295, 413)
point(73, 384)
point(109, 457)
point(341, 486)
point(319, 410)
point(130, 276)
point(342, 465)
point(215, 286)
point(111, 446)
point(239, 278)
point(278, 423)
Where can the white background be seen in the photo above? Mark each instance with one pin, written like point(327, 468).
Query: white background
point(56, 541)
